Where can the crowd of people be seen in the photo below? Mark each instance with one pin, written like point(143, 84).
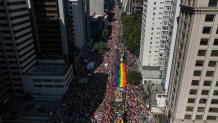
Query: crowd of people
point(136, 104)
point(92, 101)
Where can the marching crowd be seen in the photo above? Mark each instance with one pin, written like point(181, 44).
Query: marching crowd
point(91, 101)
point(136, 104)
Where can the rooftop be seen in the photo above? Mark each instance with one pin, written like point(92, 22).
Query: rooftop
point(155, 89)
point(151, 74)
point(48, 69)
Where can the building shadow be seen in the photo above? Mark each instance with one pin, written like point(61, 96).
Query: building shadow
point(82, 100)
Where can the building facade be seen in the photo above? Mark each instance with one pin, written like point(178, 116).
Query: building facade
point(77, 17)
point(48, 81)
point(50, 27)
point(156, 33)
point(17, 53)
point(193, 85)
point(133, 6)
point(4, 91)
point(17, 48)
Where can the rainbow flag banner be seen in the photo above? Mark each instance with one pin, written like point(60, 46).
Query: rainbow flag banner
point(120, 80)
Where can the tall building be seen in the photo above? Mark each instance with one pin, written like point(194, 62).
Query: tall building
point(156, 34)
point(4, 91)
point(133, 6)
point(193, 86)
point(50, 27)
point(17, 53)
point(77, 21)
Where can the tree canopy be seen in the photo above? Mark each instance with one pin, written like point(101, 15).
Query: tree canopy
point(132, 32)
point(134, 77)
point(100, 46)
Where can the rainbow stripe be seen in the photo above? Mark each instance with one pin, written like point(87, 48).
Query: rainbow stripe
point(120, 80)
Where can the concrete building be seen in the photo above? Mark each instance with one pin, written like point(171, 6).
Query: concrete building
point(96, 7)
point(48, 81)
point(17, 50)
point(165, 79)
point(193, 86)
point(98, 24)
point(151, 76)
point(156, 34)
point(4, 91)
point(50, 27)
point(79, 32)
point(133, 6)
point(78, 22)
point(17, 53)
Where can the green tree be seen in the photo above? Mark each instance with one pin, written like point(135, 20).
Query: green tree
point(132, 32)
point(104, 35)
point(134, 77)
point(100, 46)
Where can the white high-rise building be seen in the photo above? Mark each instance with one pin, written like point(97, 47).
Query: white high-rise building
point(17, 52)
point(156, 33)
point(193, 85)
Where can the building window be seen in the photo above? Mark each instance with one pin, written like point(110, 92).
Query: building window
point(19, 91)
point(58, 80)
point(212, 3)
point(193, 91)
point(215, 92)
point(216, 83)
point(211, 117)
point(206, 30)
point(203, 101)
point(48, 86)
point(37, 80)
point(47, 80)
point(214, 101)
point(209, 18)
point(201, 52)
point(59, 86)
point(189, 108)
point(38, 86)
point(199, 63)
point(217, 31)
point(18, 85)
point(215, 42)
point(212, 64)
point(187, 116)
point(209, 73)
point(195, 82)
point(197, 73)
point(213, 110)
point(191, 100)
point(214, 53)
point(200, 109)
point(198, 117)
point(204, 92)
point(207, 83)
point(204, 41)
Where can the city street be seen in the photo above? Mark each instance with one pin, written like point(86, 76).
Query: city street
point(93, 101)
